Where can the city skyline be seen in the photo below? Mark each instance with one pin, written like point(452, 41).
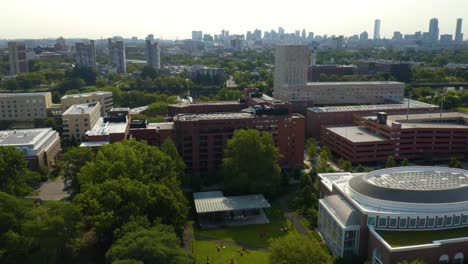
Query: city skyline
point(50, 18)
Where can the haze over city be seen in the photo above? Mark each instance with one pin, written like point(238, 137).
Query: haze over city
point(176, 19)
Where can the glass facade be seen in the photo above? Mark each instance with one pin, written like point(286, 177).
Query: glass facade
point(340, 241)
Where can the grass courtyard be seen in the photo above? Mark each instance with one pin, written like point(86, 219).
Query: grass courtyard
point(253, 235)
point(411, 238)
point(203, 249)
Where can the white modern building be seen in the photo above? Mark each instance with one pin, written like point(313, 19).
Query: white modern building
point(396, 214)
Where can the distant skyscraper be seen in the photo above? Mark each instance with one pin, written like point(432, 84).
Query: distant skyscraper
point(377, 29)
point(85, 54)
point(117, 55)
point(397, 35)
point(60, 45)
point(150, 37)
point(458, 32)
point(434, 30)
point(304, 34)
point(364, 36)
point(197, 35)
point(446, 38)
point(17, 57)
point(153, 54)
point(281, 31)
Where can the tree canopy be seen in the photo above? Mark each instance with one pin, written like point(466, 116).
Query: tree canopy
point(47, 233)
point(148, 244)
point(15, 177)
point(250, 163)
point(129, 179)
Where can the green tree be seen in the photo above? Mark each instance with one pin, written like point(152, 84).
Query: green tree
point(149, 71)
point(390, 162)
point(158, 244)
point(455, 163)
point(345, 165)
point(311, 147)
point(250, 163)
point(129, 179)
point(15, 177)
point(404, 162)
point(294, 248)
point(170, 149)
point(325, 157)
point(47, 233)
point(71, 162)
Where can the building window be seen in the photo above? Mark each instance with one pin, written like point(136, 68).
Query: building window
point(392, 223)
point(444, 259)
point(456, 220)
point(430, 222)
point(422, 222)
point(448, 221)
point(402, 222)
point(412, 223)
point(371, 220)
point(458, 258)
point(382, 222)
point(440, 221)
point(465, 219)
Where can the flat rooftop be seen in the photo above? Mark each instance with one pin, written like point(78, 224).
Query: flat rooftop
point(412, 238)
point(85, 94)
point(102, 128)
point(205, 103)
point(79, 109)
point(24, 94)
point(433, 120)
point(356, 134)
point(352, 83)
point(161, 126)
point(20, 137)
point(212, 116)
point(380, 107)
point(211, 202)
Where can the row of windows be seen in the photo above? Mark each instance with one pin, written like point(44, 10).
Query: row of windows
point(426, 222)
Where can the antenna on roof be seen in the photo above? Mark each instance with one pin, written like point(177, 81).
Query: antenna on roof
point(407, 109)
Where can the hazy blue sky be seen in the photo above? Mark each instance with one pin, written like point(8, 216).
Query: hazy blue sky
point(172, 19)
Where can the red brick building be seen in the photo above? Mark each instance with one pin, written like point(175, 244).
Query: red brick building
point(344, 115)
point(206, 107)
point(404, 137)
point(201, 136)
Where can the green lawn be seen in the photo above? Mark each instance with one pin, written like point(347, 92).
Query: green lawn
point(463, 109)
point(255, 235)
point(202, 249)
point(410, 238)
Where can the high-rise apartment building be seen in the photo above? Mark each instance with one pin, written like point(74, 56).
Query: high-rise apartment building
point(290, 68)
point(197, 35)
point(104, 98)
point(24, 106)
point(85, 54)
point(17, 57)
point(434, 30)
point(153, 54)
point(377, 29)
point(117, 55)
point(458, 31)
point(78, 119)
